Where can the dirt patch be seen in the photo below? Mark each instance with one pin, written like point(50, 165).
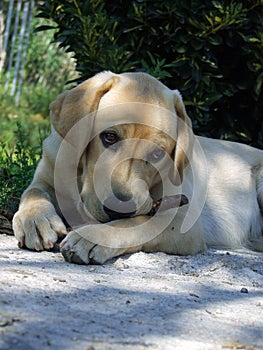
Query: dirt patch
point(142, 301)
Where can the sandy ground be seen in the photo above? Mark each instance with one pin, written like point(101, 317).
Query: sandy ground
point(142, 301)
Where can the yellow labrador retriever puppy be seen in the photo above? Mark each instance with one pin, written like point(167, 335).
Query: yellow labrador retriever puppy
point(118, 143)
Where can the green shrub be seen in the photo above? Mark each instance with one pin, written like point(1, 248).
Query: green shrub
point(46, 64)
point(32, 114)
point(23, 126)
point(17, 166)
point(212, 51)
point(23, 129)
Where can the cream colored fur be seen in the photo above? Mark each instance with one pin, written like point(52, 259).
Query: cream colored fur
point(223, 180)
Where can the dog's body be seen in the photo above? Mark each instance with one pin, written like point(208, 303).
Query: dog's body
point(135, 126)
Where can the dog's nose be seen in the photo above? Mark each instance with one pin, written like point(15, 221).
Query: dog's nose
point(119, 207)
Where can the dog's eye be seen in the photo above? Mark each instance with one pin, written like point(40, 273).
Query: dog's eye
point(109, 138)
point(156, 155)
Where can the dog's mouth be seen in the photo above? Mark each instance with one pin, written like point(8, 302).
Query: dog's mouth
point(117, 209)
point(123, 208)
point(120, 209)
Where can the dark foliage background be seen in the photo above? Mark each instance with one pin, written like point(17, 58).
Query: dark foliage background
point(212, 51)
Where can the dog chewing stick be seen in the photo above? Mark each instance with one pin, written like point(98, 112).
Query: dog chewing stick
point(168, 202)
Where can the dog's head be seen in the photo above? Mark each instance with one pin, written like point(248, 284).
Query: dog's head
point(137, 135)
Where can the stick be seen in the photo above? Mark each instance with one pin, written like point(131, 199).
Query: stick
point(168, 202)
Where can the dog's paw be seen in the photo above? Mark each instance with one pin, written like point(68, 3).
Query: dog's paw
point(79, 250)
point(76, 249)
point(37, 227)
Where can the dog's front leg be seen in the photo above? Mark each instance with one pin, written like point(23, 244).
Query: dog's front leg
point(98, 243)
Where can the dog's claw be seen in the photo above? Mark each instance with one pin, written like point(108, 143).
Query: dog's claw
point(21, 244)
point(38, 248)
point(50, 244)
point(71, 256)
point(63, 232)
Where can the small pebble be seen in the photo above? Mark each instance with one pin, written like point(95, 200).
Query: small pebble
point(90, 347)
point(5, 320)
point(194, 295)
point(244, 290)
point(59, 279)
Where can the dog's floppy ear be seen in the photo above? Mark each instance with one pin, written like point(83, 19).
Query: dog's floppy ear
point(184, 140)
point(72, 105)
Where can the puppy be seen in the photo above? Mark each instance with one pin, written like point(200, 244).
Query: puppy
point(120, 142)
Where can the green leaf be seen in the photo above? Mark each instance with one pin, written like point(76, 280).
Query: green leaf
point(215, 39)
point(197, 44)
point(213, 97)
point(41, 28)
point(258, 85)
point(181, 49)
